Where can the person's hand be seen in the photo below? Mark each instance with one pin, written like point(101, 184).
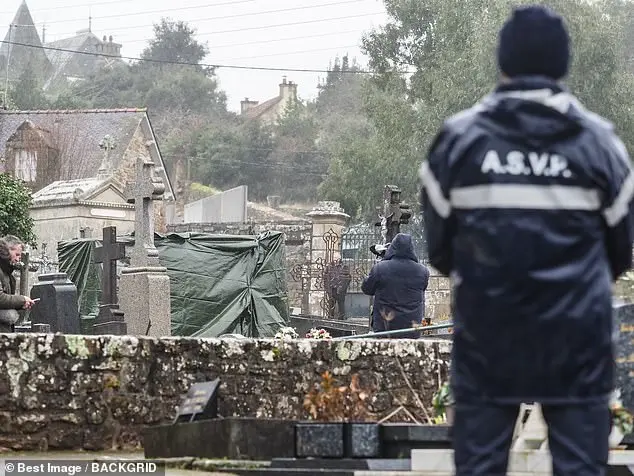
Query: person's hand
point(28, 302)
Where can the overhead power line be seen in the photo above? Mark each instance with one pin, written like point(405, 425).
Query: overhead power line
point(184, 63)
point(305, 22)
point(217, 46)
point(277, 40)
point(224, 17)
point(62, 7)
point(289, 53)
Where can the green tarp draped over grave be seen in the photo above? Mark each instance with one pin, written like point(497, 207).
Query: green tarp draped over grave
point(219, 283)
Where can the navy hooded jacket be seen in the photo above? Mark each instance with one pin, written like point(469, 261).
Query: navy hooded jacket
point(398, 284)
point(527, 200)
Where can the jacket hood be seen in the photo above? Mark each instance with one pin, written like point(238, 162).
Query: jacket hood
point(534, 110)
point(402, 246)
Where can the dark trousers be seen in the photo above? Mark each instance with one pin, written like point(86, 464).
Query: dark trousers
point(577, 438)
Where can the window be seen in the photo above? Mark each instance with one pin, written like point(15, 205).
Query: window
point(26, 165)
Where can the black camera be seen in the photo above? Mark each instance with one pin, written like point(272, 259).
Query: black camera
point(379, 250)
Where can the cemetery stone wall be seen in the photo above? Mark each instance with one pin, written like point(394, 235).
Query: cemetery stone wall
point(99, 392)
point(297, 237)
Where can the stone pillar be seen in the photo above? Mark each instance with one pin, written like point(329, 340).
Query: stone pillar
point(329, 220)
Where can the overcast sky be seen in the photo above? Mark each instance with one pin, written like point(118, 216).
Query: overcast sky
point(293, 38)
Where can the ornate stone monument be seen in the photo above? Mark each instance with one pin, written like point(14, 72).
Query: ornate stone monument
point(328, 220)
point(110, 319)
point(145, 287)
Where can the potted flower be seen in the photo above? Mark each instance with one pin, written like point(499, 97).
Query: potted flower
point(286, 333)
point(318, 334)
point(622, 420)
point(338, 423)
point(443, 402)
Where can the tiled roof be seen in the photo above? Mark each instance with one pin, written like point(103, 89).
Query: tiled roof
point(67, 63)
point(260, 109)
point(77, 133)
point(66, 190)
point(60, 59)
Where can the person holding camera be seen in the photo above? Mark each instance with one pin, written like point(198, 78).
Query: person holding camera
point(398, 283)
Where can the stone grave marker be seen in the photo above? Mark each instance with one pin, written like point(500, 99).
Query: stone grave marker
point(110, 319)
point(145, 286)
point(623, 336)
point(201, 402)
point(57, 305)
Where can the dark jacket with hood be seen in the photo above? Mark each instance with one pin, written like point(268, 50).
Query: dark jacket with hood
point(398, 284)
point(527, 201)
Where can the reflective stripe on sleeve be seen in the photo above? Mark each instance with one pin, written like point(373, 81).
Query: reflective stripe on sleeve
point(434, 192)
point(526, 197)
point(621, 205)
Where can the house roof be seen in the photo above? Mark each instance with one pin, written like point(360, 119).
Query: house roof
point(257, 111)
point(78, 42)
point(77, 133)
point(83, 41)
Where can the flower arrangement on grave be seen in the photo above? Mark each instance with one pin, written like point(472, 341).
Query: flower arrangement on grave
point(441, 400)
point(318, 334)
point(330, 402)
point(286, 333)
point(622, 419)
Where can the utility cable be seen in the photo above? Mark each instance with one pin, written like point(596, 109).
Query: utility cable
point(224, 17)
point(185, 63)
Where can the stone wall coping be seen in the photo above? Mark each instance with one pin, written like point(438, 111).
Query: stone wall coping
point(98, 345)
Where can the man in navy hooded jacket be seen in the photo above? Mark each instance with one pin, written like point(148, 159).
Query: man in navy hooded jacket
point(527, 201)
point(398, 284)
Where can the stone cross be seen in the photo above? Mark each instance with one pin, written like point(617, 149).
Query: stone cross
point(142, 193)
point(108, 254)
point(107, 144)
point(44, 263)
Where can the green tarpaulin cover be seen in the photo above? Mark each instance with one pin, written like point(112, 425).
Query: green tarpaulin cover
point(219, 283)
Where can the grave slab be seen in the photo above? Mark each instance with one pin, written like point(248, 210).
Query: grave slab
point(237, 438)
point(342, 464)
point(399, 439)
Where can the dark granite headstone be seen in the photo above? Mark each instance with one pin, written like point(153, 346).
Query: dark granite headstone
point(200, 403)
point(230, 438)
point(319, 440)
point(362, 440)
point(624, 347)
point(57, 306)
